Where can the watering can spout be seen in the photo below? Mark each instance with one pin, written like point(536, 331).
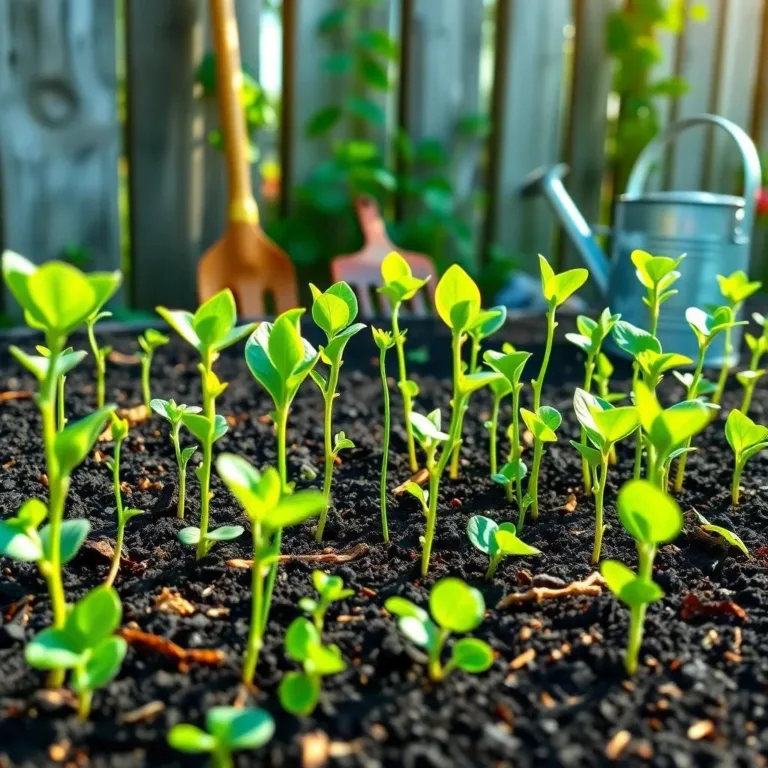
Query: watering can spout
point(548, 181)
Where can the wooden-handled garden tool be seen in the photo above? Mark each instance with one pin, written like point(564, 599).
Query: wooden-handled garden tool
point(362, 270)
point(244, 259)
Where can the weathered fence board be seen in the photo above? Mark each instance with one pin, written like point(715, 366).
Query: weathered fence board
point(58, 130)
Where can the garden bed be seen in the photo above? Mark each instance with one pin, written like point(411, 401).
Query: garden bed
point(557, 693)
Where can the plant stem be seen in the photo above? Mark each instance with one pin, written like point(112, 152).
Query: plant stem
point(182, 471)
point(385, 454)
point(494, 432)
point(204, 472)
point(434, 487)
point(221, 758)
point(434, 669)
point(61, 419)
point(473, 357)
point(717, 396)
point(645, 556)
point(586, 472)
point(533, 483)
point(538, 383)
point(115, 566)
point(735, 489)
point(403, 384)
point(492, 566)
point(749, 390)
point(256, 630)
point(694, 385)
point(146, 363)
point(515, 452)
point(100, 364)
point(599, 505)
point(85, 699)
point(329, 395)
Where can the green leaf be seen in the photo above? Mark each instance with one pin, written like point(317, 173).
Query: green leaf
point(330, 313)
point(95, 617)
point(198, 425)
point(629, 588)
point(225, 533)
point(299, 693)
point(737, 287)
point(374, 74)
point(53, 649)
point(296, 508)
point(154, 338)
point(582, 342)
point(633, 340)
point(366, 109)
point(508, 473)
point(421, 633)
point(742, 433)
point(239, 728)
point(186, 454)
point(394, 267)
point(455, 290)
point(481, 531)
point(324, 660)
point(615, 424)
point(399, 606)
point(75, 441)
point(474, 381)
point(301, 634)
point(426, 429)
point(550, 416)
point(31, 513)
point(235, 334)
point(456, 606)
point(189, 536)
point(73, 534)
point(285, 347)
point(472, 655)
point(592, 455)
point(17, 544)
point(336, 346)
point(488, 322)
point(378, 41)
point(182, 322)
point(728, 536)
point(102, 666)
point(215, 318)
point(560, 287)
point(655, 271)
point(537, 426)
point(648, 514)
point(62, 297)
point(190, 739)
point(508, 543)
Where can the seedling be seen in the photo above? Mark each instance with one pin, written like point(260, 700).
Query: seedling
point(543, 426)
point(211, 329)
point(330, 589)
point(707, 327)
point(174, 414)
point(736, 288)
point(384, 341)
point(746, 439)
point(749, 380)
point(270, 507)
point(228, 730)
point(85, 644)
point(510, 364)
point(299, 692)
point(456, 608)
point(604, 426)
point(334, 313)
point(499, 390)
point(100, 354)
point(400, 285)
point(57, 298)
point(119, 433)
point(497, 541)
point(149, 341)
point(657, 274)
point(729, 537)
point(590, 338)
point(652, 518)
point(758, 345)
point(70, 359)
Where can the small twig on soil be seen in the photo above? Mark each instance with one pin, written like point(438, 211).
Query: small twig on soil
point(105, 549)
point(592, 585)
point(322, 557)
point(183, 656)
point(421, 477)
point(140, 715)
point(15, 395)
point(317, 749)
point(694, 606)
point(120, 358)
point(618, 743)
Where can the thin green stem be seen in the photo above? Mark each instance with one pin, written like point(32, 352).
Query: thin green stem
point(222, 758)
point(99, 363)
point(638, 465)
point(434, 487)
point(690, 394)
point(538, 383)
point(61, 418)
point(146, 363)
point(256, 630)
point(473, 359)
point(182, 470)
point(204, 473)
point(725, 369)
point(735, 485)
point(329, 395)
point(493, 565)
point(385, 454)
point(494, 429)
point(115, 566)
point(749, 389)
point(434, 670)
point(586, 472)
point(515, 452)
point(403, 384)
point(637, 613)
point(85, 700)
point(599, 506)
point(533, 482)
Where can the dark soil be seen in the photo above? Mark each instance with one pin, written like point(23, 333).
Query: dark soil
point(565, 707)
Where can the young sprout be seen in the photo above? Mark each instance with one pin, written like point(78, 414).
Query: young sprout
point(270, 506)
point(604, 426)
point(69, 359)
point(456, 608)
point(499, 390)
point(174, 414)
point(590, 338)
point(400, 285)
point(603, 371)
point(749, 380)
point(543, 426)
point(119, 433)
point(384, 341)
point(657, 274)
point(299, 692)
point(210, 330)
point(510, 364)
point(497, 541)
point(330, 589)
point(707, 327)
point(736, 288)
point(57, 298)
point(334, 313)
point(729, 537)
point(86, 644)
point(100, 354)
point(758, 345)
point(651, 517)
point(228, 730)
point(149, 341)
point(746, 439)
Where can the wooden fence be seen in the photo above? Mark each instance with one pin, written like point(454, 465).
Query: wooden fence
point(132, 181)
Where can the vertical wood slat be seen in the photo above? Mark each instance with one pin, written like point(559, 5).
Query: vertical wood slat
point(58, 130)
point(527, 120)
point(166, 146)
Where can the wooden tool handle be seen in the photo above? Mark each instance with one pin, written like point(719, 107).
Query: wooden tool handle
point(229, 78)
point(369, 218)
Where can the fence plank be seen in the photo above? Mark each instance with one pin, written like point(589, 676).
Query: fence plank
point(165, 141)
point(528, 112)
point(58, 130)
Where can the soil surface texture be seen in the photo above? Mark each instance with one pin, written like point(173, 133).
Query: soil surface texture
point(557, 693)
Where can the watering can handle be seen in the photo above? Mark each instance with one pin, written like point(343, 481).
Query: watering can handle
point(749, 158)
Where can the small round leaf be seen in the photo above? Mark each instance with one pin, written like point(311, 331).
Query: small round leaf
point(649, 514)
point(456, 606)
point(472, 655)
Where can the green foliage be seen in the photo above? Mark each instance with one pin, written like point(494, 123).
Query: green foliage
point(706, 326)
point(399, 283)
point(149, 341)
point(592, 333)
point(457, 299)
point(330, 589)
point(39, 365)
point(497, 541)
point(455, 608)
point(604, 423)
point(746, 439)
point(543, 424)
point(428, 430)
point(736, 288)
point(633, 340)
point(509, 364)
point(656, 274)
point(557, 288)
point(729, 537)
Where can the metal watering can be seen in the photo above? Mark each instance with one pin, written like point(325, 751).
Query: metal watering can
point(713, 230)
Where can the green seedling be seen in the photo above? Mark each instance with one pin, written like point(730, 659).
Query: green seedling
point(334, 313)
point(487, 322)
point(657, 274)
point(651, 517)
point(746, 439)
point(384, 341)
point(543, 426)
point(173, 414)
point(510, 364)
point(100, 354)
point(227, 730)
point(270, 507)
point(119, 433)
point(299, 692)
point(57, 298)
point(456, 608)
point(149, 341)
point(589, 339)
point(400, 285)
point(330, 589)
point(749, 380)
point(735, 288)
point(729, 537)
point(210, 330)
point(70, 359)
point(603, 425)
point(603, 371)
point(85, 644)
point(497, 541)
point(500, 389)
point(707, 327)
point(758, 345)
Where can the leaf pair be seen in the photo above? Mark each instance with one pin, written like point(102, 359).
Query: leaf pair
point(543, 424)
point(330, 589)
point(228, 729)
point(745, 437)
point(592, 333)
point(151, 340)
point(39, 366)
point(497, 541)
point(558, 288)
point(428, 429)
point(509, 364)
point(604, 424)
point(707, 326)
point(657, 274)
point(457, 299)
point(399, 283)
point(737, 287)
point(334, 312)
